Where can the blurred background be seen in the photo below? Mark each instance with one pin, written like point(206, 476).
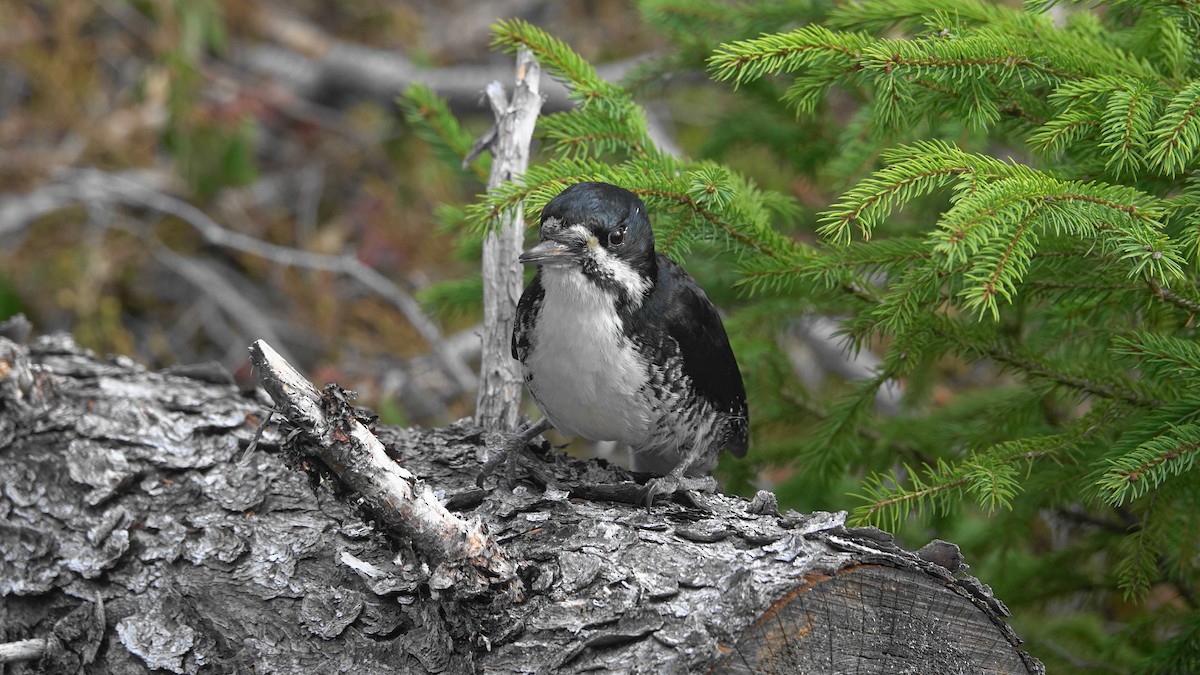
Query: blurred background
point(168, 167)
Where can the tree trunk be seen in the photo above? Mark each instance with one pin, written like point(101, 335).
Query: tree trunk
point(141, 531)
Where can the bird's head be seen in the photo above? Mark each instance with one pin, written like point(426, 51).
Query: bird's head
point(602, 231)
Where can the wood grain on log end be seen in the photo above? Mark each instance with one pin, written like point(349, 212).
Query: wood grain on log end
point(872, 619)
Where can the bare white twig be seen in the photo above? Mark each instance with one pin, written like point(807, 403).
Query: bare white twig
point(22, 650)
point(468, 558)
point(498, 403)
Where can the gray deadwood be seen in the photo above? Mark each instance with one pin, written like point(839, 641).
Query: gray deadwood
point(497, 405)
point(138, 531)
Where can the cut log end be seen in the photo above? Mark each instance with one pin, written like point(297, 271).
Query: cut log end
point(873, 619)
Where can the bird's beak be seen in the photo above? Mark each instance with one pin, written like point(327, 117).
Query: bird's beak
point(554, 253)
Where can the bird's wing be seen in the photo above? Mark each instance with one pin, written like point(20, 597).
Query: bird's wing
point(691, 320)
point(527, 309)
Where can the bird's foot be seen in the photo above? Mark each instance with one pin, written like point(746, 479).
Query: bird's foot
point(671, 485)
point(514, 453)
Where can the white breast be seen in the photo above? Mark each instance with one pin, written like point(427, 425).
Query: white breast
point(587, 376)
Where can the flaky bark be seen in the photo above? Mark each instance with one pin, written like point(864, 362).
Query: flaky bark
point(138, 533)
point(465, 555)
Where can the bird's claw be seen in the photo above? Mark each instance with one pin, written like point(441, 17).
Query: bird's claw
point(670, 485)
point(513, 452)
point(508, 455)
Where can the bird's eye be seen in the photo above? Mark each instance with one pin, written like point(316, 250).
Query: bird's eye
point(616, 237)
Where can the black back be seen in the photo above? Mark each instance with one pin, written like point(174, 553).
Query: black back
point(680, 309)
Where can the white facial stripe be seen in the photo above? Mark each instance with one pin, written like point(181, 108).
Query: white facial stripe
point(635, 285)
point(613, 267)
point(582, 234)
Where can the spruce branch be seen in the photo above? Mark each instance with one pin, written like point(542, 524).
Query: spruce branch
point(989, 475)
point(1162, 356)
point(586, 86)
point(1178, 131)
point(919, 290)
point(808, 47)
point(978, 56)
point(1065, 131)
point(848, 269)
point(844, 424)
point(587, 133)
point(715, 219)
point(887, 502)
point(1138, 563)
point(430, 116)
point(878, 16)
point(1024, 362)
point(1190, 305)
point(1180, 653)
point(1127, 122)
point(996, 272)
point(994, 485)
point(910, 171)
point(1171, 452)
point(1081, 383)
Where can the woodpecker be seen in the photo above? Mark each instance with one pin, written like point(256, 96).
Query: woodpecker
point(618, 343)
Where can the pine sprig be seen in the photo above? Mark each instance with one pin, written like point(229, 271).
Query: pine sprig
point(991, 477)
point(1172, 451)
point(878, 16)
point(911, 171)
point(1137, 564)
point(560, 61)
point(809, 48)
point(1126, 125)
point(430, 116)
point(1177, 136)
point(889, 498)
point(590, 132)
point(838, 436)
point(1180, 653)
point(1098, 380)
point(1163, 357)
point(1000, 211)
point(850, 269)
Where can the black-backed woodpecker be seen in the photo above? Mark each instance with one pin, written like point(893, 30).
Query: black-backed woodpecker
point(618, 342)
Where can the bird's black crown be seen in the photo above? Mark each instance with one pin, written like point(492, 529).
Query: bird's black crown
point(616, 217)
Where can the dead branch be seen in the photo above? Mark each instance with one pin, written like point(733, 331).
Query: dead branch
point(497, 405)
point(22, 650)
point(469, 559)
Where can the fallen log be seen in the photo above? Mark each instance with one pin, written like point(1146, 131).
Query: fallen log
point(144, 528)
